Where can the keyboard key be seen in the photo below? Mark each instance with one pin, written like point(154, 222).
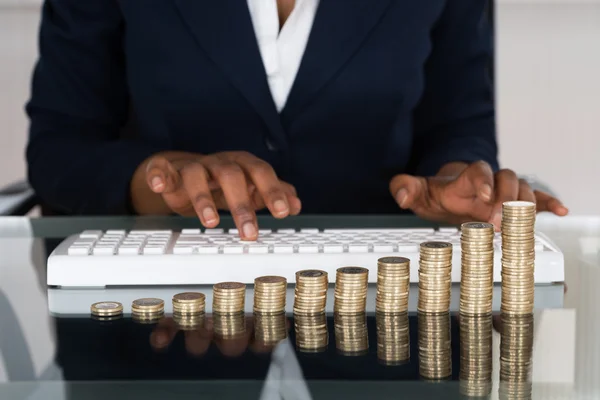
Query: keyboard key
point(183, 249)
point(333, 248)
point(208, 249)
point(358, 248)
point(407, 248)
point(383, 247)
point(309, 230)
point(264, 231)
point(216, 231)
point(116, 232)
point(104, 251)
point(258, 249)
point(448, 230)
point(286, 231)
point(233, 249)
point(283, 248)
point(154, 250)
point(90, 234)
point(308, 248)
point(129, 250)
point(191, 231)
point(234, 232)
point(79, 250)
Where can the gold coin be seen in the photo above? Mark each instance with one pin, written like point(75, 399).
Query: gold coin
point(229, 286)
point(147, 305)
point(106, 308)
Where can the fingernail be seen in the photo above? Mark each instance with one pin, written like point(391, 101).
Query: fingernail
point(157, 183)
point(486, 192)
point(209, 215)
point(280, 207)
point(249, 230)
point(401, 197)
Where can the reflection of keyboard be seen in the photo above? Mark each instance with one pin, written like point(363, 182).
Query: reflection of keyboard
point(192, 256)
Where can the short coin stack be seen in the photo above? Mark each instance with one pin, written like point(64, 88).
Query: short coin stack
point(269, 329)
point(269, 294)
point(435, 280)
point(310, 294)
point(188, 310)
point(435, 352)
point(477, 272)
point(393, 282)
point(516, 351)
point(475, 355)
point(350, 294)
point(351, 338)
point(393, 338)
point(147, 310)
point(312, 335)
point(229, 297)
point(518, 257)
point(107, 310)
point(229, 325)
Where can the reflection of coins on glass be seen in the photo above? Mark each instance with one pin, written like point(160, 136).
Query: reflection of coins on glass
point(435, 351)
point(312, 335)
point(106, 308)
point(189, 321)
point(351, 336)
point(229, 325)
point(393, 338)
point(269, 329)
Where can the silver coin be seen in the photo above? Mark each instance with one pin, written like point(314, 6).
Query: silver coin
point(147, 302)
point(477, 225)
point(394, 260)
point(436, 245)
point(311, 273)
point(107, 305)
point(352, 270)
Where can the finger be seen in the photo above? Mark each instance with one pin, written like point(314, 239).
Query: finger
point(233, 183)
point(197, 341)
point(506, 189)
point(525, 191)
point(195, 181)
point(292, 197)
point(477, 180)
point(408, 191)
point(163, 334)
point(545, 202)
point(161, 175)
point(267, 184)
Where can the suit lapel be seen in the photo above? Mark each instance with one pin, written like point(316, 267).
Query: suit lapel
point(339, 28)
point(224, 30)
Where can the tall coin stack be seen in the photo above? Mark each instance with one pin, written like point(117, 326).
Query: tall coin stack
point(475, 355)
point(518, 257)
point(393, 338)
point(310, 294)
point(229, 297)
point(435, 352)
point(269, 329)
point(477, 272)
point(435, 280)
point(393, 282)
point(351, 338)
point(229, 325)
point(188, 310)
point(350, 296)
point(312, 335)
point(516, 352)
point(147, 310)
point(269, 294)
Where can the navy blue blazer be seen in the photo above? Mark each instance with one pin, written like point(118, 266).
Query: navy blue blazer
point(385, 87)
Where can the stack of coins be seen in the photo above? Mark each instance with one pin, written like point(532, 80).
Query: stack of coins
point(393, 338)
point(229, 297)
point(107, 310)
point(147, 310)
point(435, 353)
point(475, 355)
point(312, 335)
point(189, 322)
point(310, 295)
point(269, 329)
point(189, 303)
point(518, 257)
point(477, 271)
point(393, 282)
point(351, 284)
point(435, 280)
point(229, 325)
point(516, 351)
point(269, 294)
point(351, 338)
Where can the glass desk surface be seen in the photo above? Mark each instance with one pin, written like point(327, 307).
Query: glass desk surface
point(53, 356)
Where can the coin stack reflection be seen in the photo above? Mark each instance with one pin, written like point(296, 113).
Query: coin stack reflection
point(393, 282)
point(351, 338)
point(516, 351)
point(393, 338)
point(147, 310)
point(350, 295)
point(310, 294)
point(477, 272)
point(229, 297)
point(269, 329)
point(435, 353)
point(188, 310)
point(475, 355)
point(229, 325)
point(435, 280)
point(312, 335)
point(518, 257)
point(269, 294)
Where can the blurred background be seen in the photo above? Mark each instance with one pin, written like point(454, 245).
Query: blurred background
point(547, 79)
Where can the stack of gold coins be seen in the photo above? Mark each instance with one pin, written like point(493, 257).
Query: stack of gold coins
point(475, 355)
point(393, 282)
point(435, 353)
point(189, 303)
point(269, 329)
point(312, 335)
point(107, 310)
point(516, 351)
point(351, 338)
point(269, 294)
point(147, 310)
point(229, 325)
point(229, 297)
point(518, 257)
point(350, 296)
point(435, 280)
point(393, 338)
point(477, 271)
point(310, 294)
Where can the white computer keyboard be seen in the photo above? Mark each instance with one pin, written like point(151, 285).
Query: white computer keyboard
point(196, 257)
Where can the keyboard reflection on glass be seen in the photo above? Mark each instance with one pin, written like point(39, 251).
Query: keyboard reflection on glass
point(195, 257)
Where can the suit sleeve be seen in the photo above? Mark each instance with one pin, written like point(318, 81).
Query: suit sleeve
point(79, 102)
point(455, 119)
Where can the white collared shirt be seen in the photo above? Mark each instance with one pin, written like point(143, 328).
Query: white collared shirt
point(282, 51)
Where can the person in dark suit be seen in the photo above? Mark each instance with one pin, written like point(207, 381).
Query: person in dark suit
point(352, 106)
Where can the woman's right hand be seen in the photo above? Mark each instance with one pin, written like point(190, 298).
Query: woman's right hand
point(192, 184)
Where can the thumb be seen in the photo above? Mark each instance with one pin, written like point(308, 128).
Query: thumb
point(408, 191)
point(476, 180)
point(161, 175)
